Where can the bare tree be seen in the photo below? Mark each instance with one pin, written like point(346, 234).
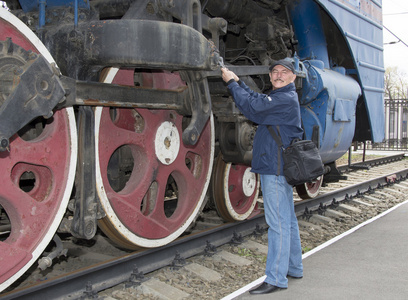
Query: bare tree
point(395, 84)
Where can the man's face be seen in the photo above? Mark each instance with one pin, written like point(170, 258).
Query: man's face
point(280, 77)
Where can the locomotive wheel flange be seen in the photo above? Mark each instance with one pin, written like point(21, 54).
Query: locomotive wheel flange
point(151, 184)
point(37, 173)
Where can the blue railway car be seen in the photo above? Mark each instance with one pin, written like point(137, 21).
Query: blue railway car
point(113, 113)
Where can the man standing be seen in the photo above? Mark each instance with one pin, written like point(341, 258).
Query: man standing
point(281, 110)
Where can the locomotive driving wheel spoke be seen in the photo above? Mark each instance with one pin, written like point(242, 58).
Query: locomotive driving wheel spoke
point(235, 190)
point(28, 220)
point(18, 202)
point(151, 185)
point(35, 193)
point(37, 173)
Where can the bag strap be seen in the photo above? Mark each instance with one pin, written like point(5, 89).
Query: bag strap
point(275, 136)
point(278, 141)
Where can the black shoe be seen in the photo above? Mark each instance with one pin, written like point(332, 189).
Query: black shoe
point(265, 288)
point(294, 277)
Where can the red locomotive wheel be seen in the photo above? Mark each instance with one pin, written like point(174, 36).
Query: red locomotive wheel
point(151, 185)
point(37, 174)
point(235, 190)
point(309, 190)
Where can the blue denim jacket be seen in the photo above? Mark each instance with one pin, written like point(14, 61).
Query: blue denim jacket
point(279, 108)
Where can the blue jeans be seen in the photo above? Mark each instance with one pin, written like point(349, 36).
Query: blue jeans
point(284, 248)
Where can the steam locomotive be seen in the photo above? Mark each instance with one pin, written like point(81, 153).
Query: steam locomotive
point(113, 114)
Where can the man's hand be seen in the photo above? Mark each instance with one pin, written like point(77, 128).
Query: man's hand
point(227, 75)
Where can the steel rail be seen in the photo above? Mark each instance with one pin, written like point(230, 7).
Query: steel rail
point(87, 282)
point(349, 192)
point(371, 162)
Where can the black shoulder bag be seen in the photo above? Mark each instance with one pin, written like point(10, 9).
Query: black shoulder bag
point(301, 160)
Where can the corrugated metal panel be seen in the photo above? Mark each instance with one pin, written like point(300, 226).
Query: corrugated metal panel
point(361, 23)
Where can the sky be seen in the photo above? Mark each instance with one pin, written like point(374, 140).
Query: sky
point(395, 18)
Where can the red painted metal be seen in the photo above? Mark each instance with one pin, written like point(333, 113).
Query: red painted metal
point(240, 202)
point(46, 159)
point(32, 212)
point(140, 205)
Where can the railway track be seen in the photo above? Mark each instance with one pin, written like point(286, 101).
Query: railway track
point(217, 258)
